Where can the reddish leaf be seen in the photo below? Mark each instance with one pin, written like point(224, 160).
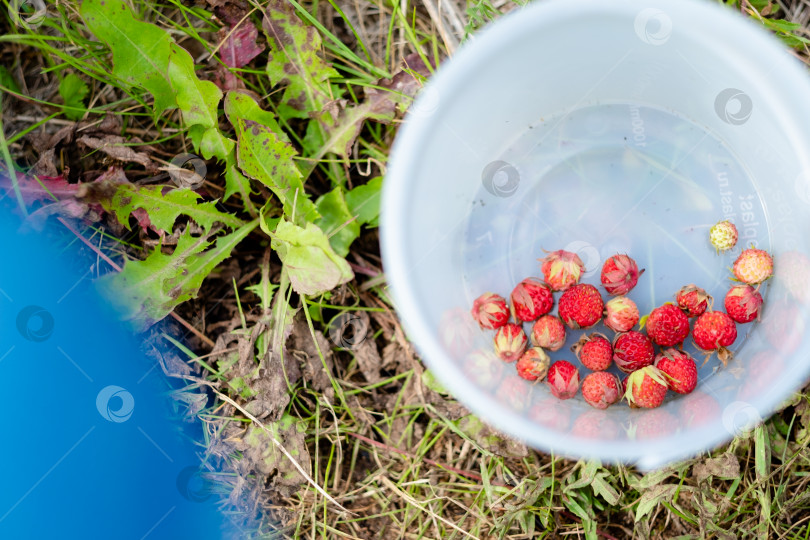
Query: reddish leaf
point(73, 200)
point(38, 189)
point(239, 44)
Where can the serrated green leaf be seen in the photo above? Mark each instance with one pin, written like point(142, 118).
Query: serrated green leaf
point(294, 61)
point(264, 157)
point(212, 143)
point(652, 497)
point(604, 489)
point(239, 105)
point(364, 202)
point(336, 221)
point(145, 55)
point(235, 182)
point(573, 505)
point(196, 99)
point(73, 91)
point(311, 264)
point(165, 208)
point(140, 50)
point(146, 291)
point(650, 479)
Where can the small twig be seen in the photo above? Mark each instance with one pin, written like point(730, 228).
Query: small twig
point(259, 423)
point(468, 474)
point(187, 325)
point(418, 504)
point(284, 451)
point(362, 270)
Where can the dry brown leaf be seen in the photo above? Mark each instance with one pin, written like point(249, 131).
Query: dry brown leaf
point(112, 146)
point(303, 346)
point(724, 466)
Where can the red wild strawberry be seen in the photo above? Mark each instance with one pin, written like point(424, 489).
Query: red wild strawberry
point(714, 331)
point(680, 369)
point(743, 303)
point(561, 269)
point(512, 393)
point(581, 306)
point(548, 332)
point(563, 379)
point(621, 314)
point(533, 364)
point(652, 424)
point(531, 298)
point(484, 367)
point(753, 266)
point(632, 351)
point(645, 388)
point(552, 413)
point(490, 311)
point(510, 342)
point(601, 389)
point(620, 274)
point(595, 424)
point(594, 351)
point(723, 236)
point(667, 325)
point(698, 409)
point(457, 331)
point(693, 300)
point(784, 326)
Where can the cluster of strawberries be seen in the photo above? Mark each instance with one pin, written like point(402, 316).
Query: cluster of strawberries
point(580, 306)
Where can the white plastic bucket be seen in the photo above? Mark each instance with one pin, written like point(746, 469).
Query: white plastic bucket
point(601, 128)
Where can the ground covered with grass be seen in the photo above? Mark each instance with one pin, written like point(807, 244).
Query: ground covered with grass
point(222, 161)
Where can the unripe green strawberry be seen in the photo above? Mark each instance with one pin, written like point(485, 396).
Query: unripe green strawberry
point(533, 364)
point(562, 269)
point(723, 236)
point(645, 388)
point(753, 266)
point(510, 342)
point(490, 311)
